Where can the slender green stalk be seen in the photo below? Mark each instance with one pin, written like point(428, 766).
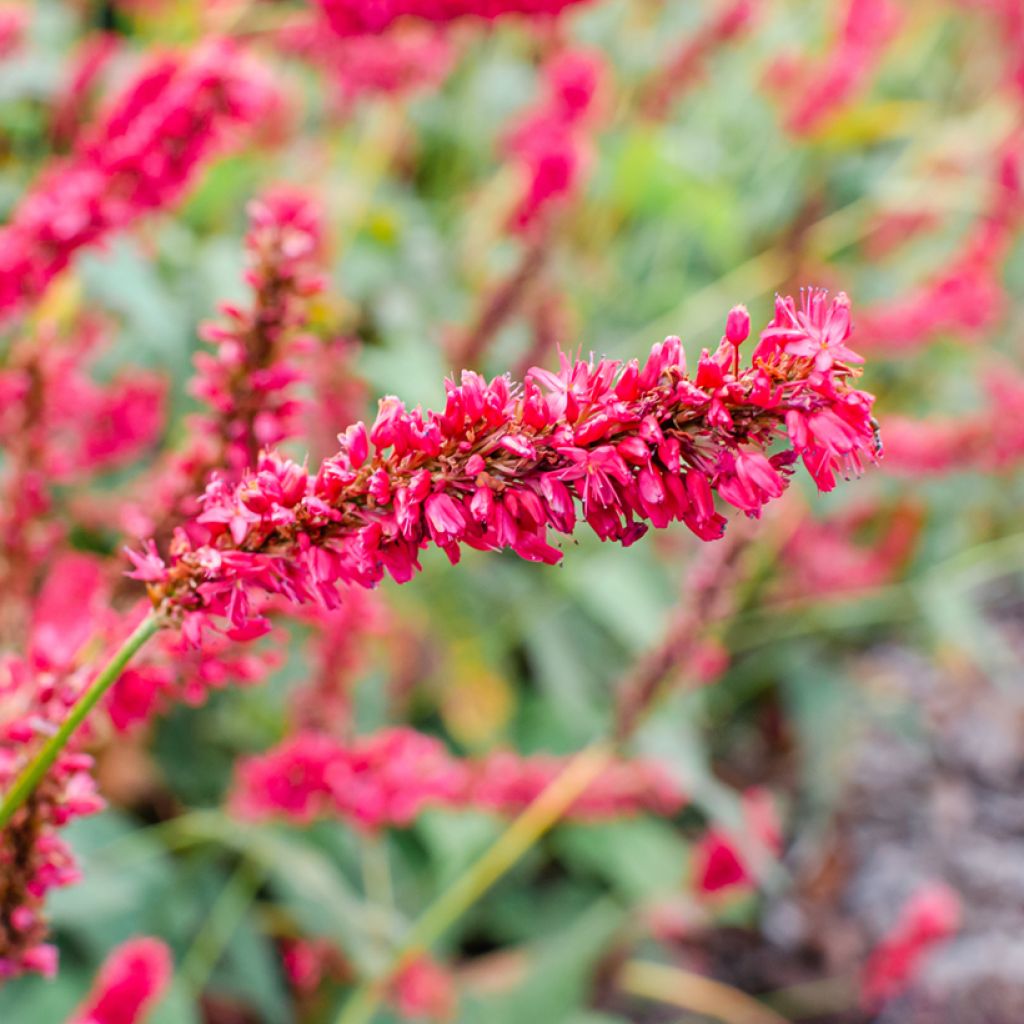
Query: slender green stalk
point(225, 916)
point(538, 818)
point(32, 774)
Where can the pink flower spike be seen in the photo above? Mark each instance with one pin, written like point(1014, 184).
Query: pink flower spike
point(129, 984)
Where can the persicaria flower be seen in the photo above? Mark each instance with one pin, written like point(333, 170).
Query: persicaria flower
point(129, 984)
point(387, 779)
point(139, 157)
point(819, 92)
point(619, 445)
point(931, 916)
point(356, 17)
point(550, 143)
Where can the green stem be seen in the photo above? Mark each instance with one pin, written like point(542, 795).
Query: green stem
point(227, 913)
point(32, 774)
point(507, 849)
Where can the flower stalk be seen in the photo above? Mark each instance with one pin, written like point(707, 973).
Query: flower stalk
point(32, 774)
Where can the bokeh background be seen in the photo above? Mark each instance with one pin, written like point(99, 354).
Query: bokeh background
point(858, 682)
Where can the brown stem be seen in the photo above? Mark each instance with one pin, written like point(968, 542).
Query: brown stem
point(502, 303)
point(708, 597)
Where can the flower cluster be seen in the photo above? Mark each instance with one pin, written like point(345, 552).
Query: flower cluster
point(990, 440)
point(88, 65)
point(396, 63)
point(57, 426)
point(550, 144)
point(856, 549)
point(35, 694)
point(13, 22)
point(628, 445)
point(129, 984)
point(967, 295)
point(359, 17)
point(138, 158)
point(424, 989)
point(247, 383)
point(818, 92)
point(387, 779)
point(724, 859)
point(931, 916)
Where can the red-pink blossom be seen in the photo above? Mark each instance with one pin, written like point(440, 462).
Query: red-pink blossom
point(394, 63)
point(88, 63)
point(13, 23)
point(424, 990)
point(967, 295)
point(129, 985)
point(386, 779)
point(356, 17)
point(820, 89)
point(931, 916)
point(626, 445)
point(248, 382)
point(140, 156)
point(718, 864)
point(550, 143)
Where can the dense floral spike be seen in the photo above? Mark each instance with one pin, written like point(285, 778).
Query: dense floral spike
point(989, 440)
point(396, 63)
point(129, 984)
point(13, 22)
point(339, 643)
point(686, 64)
point(842, 553)
point(140, 157)
point(967, 295)
point(387, 779)
point(247, 383)
point(358, 17)
point(820, 91)
point(70, 108)
point(424, 990)
point(551, 143)
point(931, 916)
point(57, 426)
point(623, 445)
point(35, 694)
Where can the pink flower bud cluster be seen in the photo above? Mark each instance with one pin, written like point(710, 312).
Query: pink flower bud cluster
point(550, 144)
point(389, 778)
point(819, 91)
point(339, 643)
point(88, 63)
point(396, 63)
point(35, 694)
point(931, 916)
point(724, 859)
point(57, 425)
point(247, 382)
point(623, 446)
point(129, 985)
point(65, 421)
point(966, 296)
point(13, 22)
point(990, 440)
point(140, 157)
point(424, 989)
point(843, 553)
point(686, 65)
point(359, 17)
